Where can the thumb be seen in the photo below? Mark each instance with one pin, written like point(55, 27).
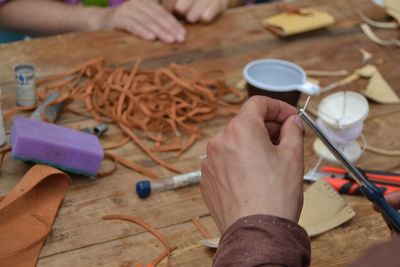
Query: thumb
point(292, 135)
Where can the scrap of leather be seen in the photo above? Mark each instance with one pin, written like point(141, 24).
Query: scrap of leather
point(365, 72)
point(290, 23)
point(377, 89)
point(378, 24)
point(380, 91)
point(324, 73)
point(203, 231)
point(27, 214)
point(168, 249)
point(392, 7)
point(374, 38)
point(323, 209)
point(366, 56)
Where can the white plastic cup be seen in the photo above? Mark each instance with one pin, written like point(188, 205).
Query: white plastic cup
point(279, 79)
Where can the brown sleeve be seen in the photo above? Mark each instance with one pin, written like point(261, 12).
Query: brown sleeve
point(386, 255)
point(263, 240)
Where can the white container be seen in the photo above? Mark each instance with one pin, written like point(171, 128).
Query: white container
point(25, 93)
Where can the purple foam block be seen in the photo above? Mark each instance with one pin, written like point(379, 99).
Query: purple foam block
point(64, 148)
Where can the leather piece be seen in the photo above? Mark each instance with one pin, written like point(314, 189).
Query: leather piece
point(367, 30)
point(285, 24)
point(324, 209)
point(380, 91)
point(393, 9)
point(27, 214)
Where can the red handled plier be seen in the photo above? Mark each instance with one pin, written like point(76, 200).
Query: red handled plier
point(340, 179)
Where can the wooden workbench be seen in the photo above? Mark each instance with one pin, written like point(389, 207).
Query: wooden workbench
point(81, 238)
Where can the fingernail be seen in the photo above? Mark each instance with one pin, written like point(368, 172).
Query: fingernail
point(299, 122)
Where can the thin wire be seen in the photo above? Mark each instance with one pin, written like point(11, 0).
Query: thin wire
point(305, 104)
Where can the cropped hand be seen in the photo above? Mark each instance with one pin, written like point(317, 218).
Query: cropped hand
point(197, 10)
point(146, 19)
point(255, 165)
point(394, 199)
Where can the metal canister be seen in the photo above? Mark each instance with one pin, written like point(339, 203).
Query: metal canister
point(25, 79)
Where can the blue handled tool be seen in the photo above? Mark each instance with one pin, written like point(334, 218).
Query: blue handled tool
point(369, 190)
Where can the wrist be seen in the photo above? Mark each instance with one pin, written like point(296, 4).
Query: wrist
point(98, 18)
point(286, 212)
point(82, 18)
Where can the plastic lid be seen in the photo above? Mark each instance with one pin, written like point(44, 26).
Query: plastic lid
point(143, 189)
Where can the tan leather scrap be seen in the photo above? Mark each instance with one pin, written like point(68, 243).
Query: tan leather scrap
point(290, 23)
point(323, 209)
point(380, 91)
point(27, 214)
point(393, 9)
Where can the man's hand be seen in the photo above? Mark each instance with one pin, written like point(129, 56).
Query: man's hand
point(394, 199)
point(197, 10)
point(146, 19)
point(255, 165)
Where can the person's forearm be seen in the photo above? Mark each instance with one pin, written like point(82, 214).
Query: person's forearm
point(49, 17)
point(263, 240)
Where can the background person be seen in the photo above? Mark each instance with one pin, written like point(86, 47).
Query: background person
point(147, 19)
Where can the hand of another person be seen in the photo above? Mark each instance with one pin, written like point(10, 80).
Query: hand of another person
point(394, 199)
point(197, 10)
point(146, 19)
point(255, 165)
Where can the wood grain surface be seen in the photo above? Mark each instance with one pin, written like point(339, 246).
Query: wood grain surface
point(81, 238)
